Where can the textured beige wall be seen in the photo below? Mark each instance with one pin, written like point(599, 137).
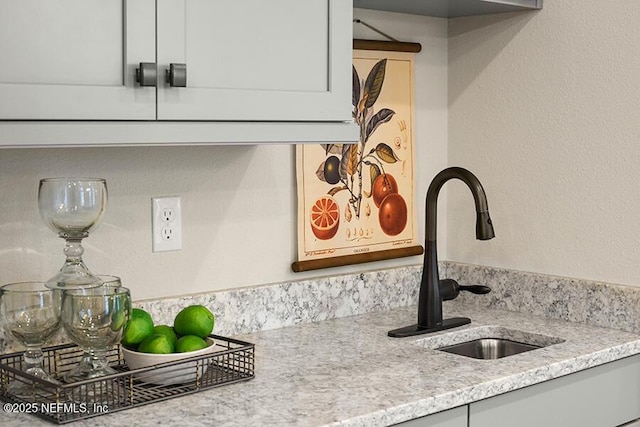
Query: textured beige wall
point(545, 108)
point(239, 207)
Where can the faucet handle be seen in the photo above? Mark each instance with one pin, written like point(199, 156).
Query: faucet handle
point(450, 289)
point(475, 289)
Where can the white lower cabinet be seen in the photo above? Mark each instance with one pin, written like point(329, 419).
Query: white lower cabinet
point(456, 417)
point(604, 396)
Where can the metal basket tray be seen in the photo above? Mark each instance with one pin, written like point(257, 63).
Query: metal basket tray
point(231, 361)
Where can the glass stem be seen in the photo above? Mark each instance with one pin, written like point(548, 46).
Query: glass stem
point(73, 250)
point(99, 359)
point(74, 272)
point(33, 358)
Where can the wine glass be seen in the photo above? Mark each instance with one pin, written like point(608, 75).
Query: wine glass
point(94, 319)
point(31, 314)
point(72, 207)
point(87, 364)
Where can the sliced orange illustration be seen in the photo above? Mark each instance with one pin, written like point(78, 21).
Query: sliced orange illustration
point(325, 218)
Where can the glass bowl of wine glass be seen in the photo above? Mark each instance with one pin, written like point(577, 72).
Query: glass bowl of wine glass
point(30, 313)
point(72, 207)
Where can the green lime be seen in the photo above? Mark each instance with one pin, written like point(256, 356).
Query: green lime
point(167, 331)
point(194, 320)
point(190, 343)
point(117, 320)
point(156, 344)
point(139, 327)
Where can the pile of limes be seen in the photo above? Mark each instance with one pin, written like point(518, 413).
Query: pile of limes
point(190, 328)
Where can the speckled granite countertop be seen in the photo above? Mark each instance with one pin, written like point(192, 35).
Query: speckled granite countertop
point(346, 371)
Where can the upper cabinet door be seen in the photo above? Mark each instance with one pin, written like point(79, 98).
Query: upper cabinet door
point(256, 60)
point(75, 59)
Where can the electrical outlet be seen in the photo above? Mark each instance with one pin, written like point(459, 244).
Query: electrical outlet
point(166, 225)
point(167, 214)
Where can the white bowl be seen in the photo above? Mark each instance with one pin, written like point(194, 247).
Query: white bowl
point(176, 374)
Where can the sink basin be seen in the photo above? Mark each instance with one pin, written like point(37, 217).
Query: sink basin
point(489, 348)
point(487, 342)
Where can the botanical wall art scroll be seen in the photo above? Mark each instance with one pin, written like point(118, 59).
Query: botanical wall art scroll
point(356, 201)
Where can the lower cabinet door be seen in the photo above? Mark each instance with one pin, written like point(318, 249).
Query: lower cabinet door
point(604, 396)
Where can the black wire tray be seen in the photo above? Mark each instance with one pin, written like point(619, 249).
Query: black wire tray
point(230, 361)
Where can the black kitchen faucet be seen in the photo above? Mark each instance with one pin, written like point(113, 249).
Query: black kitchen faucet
point(432, 289)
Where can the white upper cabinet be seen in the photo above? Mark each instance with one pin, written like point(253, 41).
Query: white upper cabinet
point(72, 59)
point(256, 60)
point(245, 71)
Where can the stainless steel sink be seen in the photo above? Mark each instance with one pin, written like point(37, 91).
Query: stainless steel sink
point(489, 348)
point(488, 342)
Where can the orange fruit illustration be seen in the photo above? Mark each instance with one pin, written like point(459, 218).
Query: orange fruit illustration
point(383, 185)
point(393, 214)
point(325, 218)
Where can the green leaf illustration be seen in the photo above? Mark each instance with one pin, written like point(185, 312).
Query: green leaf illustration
point(352, 161)
point(343, 165)
point(374, 172)
point(386, 153)
point(332, 148)
point(373, 85)
point(349, 161)
point(382, 116)
point(355, 94)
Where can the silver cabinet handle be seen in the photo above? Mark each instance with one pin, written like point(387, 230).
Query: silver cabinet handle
point(177, 75)
point(147, 74)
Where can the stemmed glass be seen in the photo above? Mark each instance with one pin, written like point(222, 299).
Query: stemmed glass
point(94, 319)
point(31, 314)
point(87, 364)
point(72, 207)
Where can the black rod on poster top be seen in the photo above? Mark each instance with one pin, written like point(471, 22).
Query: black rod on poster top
point(390, 45)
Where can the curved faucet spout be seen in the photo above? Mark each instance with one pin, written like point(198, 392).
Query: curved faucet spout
point(484, 227)
point(430, 299)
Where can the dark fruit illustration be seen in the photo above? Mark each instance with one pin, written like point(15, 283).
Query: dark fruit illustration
point(332, 170)
point(383, 185)
point(393, 214)
point(325, 218)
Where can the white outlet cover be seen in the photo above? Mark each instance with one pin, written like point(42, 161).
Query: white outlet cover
point(166, 235)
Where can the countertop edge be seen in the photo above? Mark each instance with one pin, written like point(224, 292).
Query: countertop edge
point(483, 391)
